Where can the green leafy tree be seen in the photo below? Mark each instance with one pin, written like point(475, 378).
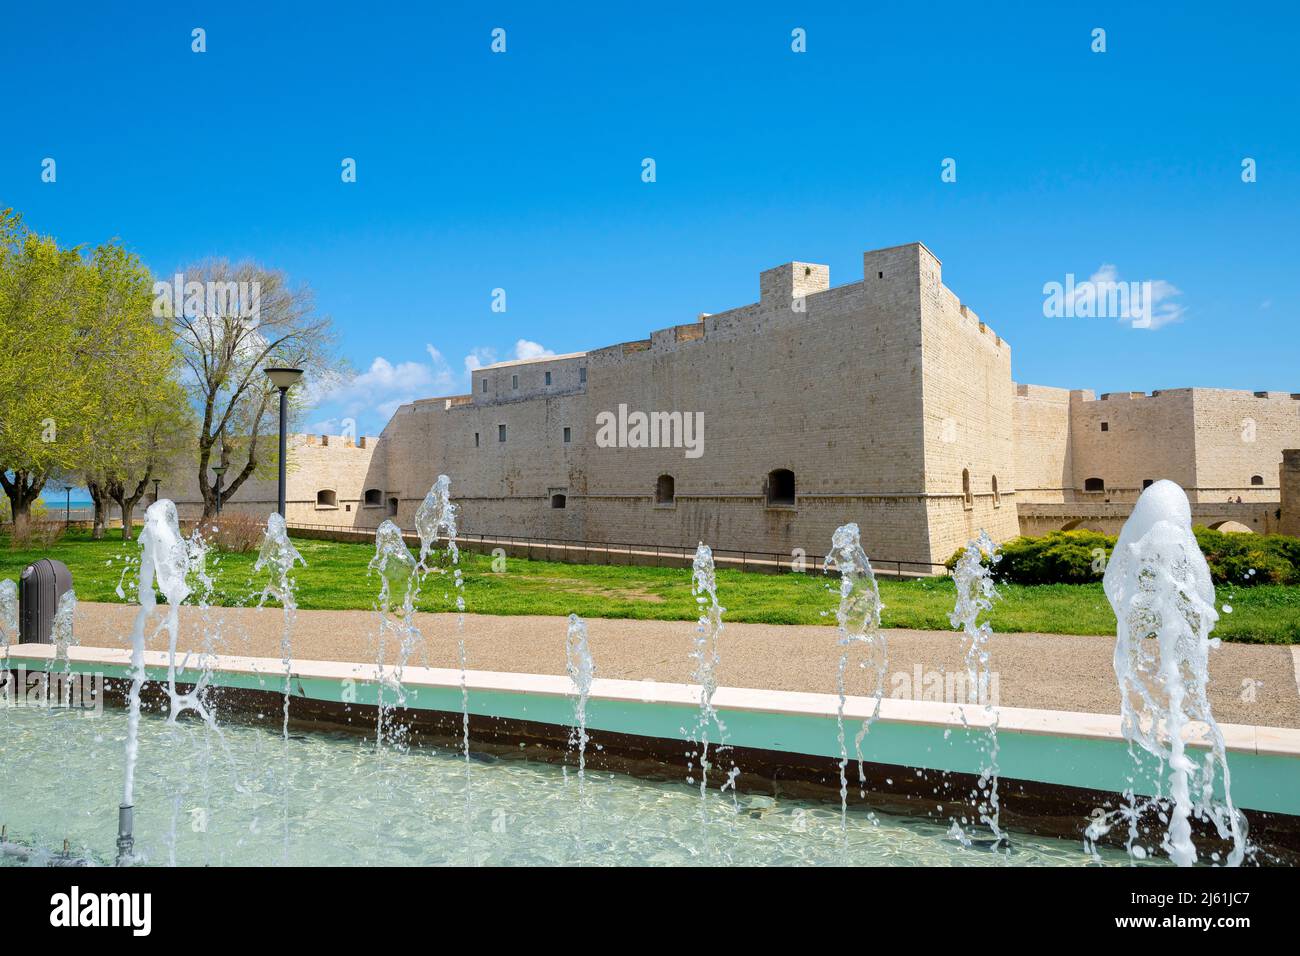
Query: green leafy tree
point(88, 378)
point(144, 424)
point(48, 397)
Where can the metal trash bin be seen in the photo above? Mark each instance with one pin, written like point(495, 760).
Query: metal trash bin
point(42, 583)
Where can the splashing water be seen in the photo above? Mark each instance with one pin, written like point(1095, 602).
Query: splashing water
point(61, 634)
point(8, 615)
point(858, 616)
point(975, 595)
point(165, 562)
point(435, 518)
point(396, 567)
point(278, 556)
point(704, 587)
point(1158, 583)
point(582, 671)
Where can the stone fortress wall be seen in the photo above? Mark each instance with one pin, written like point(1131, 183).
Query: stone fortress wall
point(886, 401)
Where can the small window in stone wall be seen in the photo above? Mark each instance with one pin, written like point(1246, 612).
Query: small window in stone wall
point(568, 434)
point(1094, 484)
point(582, 373)
point(514, 381)
point(997, 497)
point(501, 433)
point(373, 498)
point(326, 499)
point(665, 490)
point(967, 499)
point(476, 439)
point(780, 487)
point(484, 389)
point(1147, 483)
point(392, 507)
point(1256, 479)
point(548, 378)
point(559, 501)
point(1105, 426)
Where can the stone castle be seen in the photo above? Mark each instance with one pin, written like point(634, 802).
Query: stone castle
point(887, 402)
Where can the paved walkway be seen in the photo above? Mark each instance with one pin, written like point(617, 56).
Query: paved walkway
point(1251, 684)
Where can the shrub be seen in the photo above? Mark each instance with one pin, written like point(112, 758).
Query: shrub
point(38, 533)
point(1059, 557)
point(235, 532)
point(1074, 557)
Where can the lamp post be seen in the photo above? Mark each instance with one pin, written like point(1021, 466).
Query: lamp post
point(283, 379)
point(218, 470)
point(155, 489)
point(67, 508)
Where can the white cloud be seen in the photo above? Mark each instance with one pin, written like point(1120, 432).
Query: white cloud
point(385, 386)
point(479, 357)
point(525, 349)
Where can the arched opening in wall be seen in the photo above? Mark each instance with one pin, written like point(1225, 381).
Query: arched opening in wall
point(559, 501)
point(1094, 484)
point(997, 496)
point(665, 490)
point(392, 507)
point(1232, 527)
point(1256, 479)
point(373, 498)
point(780, 487)
point(967, 499)
point(1147, 483)
point(326, 499)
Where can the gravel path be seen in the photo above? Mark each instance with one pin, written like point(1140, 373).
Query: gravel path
point(1251, 684)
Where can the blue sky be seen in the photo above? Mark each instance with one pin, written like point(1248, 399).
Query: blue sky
point(522, 170)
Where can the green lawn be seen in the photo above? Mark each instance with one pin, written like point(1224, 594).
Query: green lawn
point(336, 577)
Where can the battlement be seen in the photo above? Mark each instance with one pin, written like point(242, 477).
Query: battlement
point(335, 441)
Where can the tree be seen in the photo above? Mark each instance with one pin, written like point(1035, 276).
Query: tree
point(47, 399)
point(145, 420)
point(88, 376)
point(232, 323)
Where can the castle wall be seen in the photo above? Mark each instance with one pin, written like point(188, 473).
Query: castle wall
point(316, 463)
point(1130, 438)
point(1240, 437)
point(969, 474)
point(1044, 460)
point(823, 382)
point(1289, 479)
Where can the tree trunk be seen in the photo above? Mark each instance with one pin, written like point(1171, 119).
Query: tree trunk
point(98, 497)
point(128, 502)
point(23, 490)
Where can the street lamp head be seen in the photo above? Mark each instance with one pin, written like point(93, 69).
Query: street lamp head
point(283, 378)
point(218, 470)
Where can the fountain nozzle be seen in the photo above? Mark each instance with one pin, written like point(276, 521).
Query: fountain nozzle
point(125, 839)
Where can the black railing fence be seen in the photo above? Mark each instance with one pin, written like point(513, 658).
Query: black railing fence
point(580, 551)
point(609, 552)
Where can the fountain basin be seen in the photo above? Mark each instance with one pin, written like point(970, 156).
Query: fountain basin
point(1057, 767)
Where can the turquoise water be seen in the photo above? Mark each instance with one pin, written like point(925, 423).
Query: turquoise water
point(251, 798)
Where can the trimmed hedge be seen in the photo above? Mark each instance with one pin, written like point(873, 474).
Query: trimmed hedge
point(1077, 557)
